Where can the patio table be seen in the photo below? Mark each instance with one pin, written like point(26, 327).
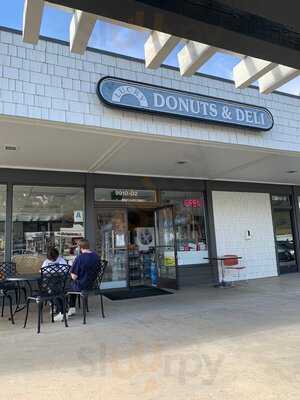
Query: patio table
point(28, 279)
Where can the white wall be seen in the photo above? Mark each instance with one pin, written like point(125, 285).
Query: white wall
point(46, 81)
point(234, 214)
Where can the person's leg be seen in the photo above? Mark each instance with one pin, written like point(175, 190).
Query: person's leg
point(59, 306)
point(72, 300)
point(72, 303)
point(59, 310)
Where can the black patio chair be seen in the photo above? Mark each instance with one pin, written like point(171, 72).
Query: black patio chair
point(93, 288)
point(7, 270)
point(4, 293)
point(51, 287)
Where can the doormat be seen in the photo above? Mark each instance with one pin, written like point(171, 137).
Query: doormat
point(136, 293)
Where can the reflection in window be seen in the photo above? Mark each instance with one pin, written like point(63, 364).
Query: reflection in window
point(111, 245)
point(44, 216)
point(2, 220)
point(190, 226)
point(283, 227)
point(281, 201)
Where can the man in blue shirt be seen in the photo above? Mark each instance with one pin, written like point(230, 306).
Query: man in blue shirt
point(83, 274)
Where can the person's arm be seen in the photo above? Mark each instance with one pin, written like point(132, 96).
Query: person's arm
point(74, 269)
point(74, 276)
point(45, 263)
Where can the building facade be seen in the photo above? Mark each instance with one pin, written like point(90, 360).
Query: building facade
point(159, 189)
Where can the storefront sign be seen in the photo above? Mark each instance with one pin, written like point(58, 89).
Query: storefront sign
point(127, 195)
point(149, 98)
point(194, 203)
point(78, 216)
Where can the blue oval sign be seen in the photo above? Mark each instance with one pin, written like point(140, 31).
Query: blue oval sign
point(127, 94)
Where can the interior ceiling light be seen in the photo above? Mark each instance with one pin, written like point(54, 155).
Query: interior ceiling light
point(291, 171)
point(182, 162)
point(10, 147)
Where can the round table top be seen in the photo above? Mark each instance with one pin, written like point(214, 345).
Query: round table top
point(24, 277)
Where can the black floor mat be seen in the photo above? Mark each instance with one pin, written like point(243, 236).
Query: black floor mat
point(135, 293)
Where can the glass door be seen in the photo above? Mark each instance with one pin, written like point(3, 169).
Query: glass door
point(165, 245)
point(284, 234)
point(111, 245)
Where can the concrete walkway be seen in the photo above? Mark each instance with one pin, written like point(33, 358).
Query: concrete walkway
point(198, 344)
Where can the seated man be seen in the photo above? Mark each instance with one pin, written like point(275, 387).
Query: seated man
point(53, 257)
point(83, 274)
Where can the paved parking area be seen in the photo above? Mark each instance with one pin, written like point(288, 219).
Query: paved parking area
point(200, 343)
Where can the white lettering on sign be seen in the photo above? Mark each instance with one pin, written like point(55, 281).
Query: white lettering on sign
point(126, 193)
point(183, 104)
point(159, 100)
point(213, 110)
point(171, 103)
point(188, 105)
point(240, 116)
point(148, 98)
point(249, 116)
point(129, 90)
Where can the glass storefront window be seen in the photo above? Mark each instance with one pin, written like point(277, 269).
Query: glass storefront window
point(189, 210)
point(284, 233)
point(127, 195)
point(44, 216)
point(2, 220)
point(281, 201)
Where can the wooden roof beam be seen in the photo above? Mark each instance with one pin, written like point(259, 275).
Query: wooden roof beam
point(157, 47)
point(276, 78)
point(193, 55)
point(81, 28)
point(32, 18)
point(249, 69)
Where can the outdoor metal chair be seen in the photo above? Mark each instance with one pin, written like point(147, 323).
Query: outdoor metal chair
point(93, 288)
point(231, 262)
point(5, 288)
point(51, 287)
point(7, 270)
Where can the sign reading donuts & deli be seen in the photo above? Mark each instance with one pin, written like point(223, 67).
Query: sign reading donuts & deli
point(131, 95)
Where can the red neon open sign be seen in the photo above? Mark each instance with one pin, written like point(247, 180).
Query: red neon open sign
point(194, 203)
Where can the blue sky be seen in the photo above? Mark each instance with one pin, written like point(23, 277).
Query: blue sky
point(110, 37)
